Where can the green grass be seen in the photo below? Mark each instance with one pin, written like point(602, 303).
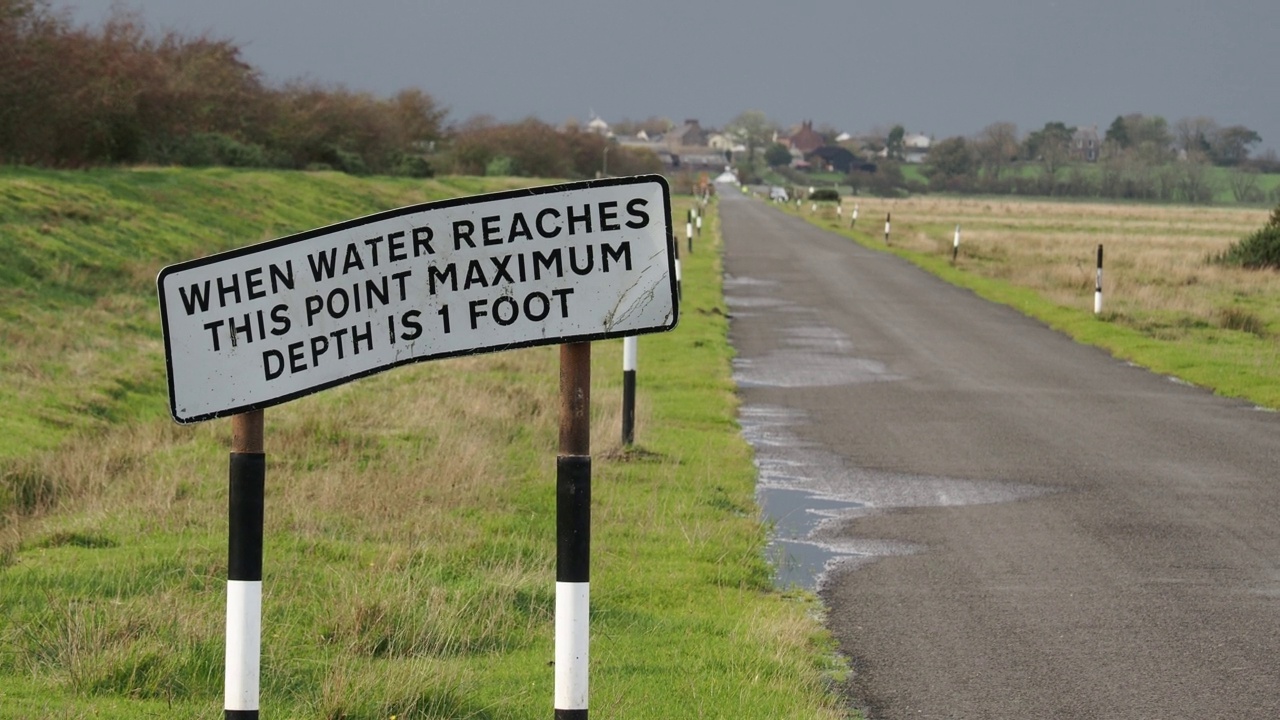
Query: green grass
point(409, 552)
point(81, 254)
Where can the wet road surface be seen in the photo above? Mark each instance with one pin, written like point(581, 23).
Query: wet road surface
point(1011, 525)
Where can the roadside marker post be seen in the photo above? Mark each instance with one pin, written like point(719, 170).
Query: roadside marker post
point(629, 352)
point(1097, 285)
point(886, 227)
point(259, 326)
point(853, 219)
point(248, 471)
point(573, 534)
point(955, 245)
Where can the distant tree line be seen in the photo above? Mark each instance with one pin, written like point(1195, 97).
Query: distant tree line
point(75, 97)
point(1139, 158)
point(532, 148)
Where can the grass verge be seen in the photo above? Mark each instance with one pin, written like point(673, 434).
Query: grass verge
point(409, 559)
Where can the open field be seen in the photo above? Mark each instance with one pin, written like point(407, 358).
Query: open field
point(1166, 306)
point(409, 550)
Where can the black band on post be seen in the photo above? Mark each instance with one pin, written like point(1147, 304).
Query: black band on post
point(571, 714)
point(573, 518)
point(628, 407)
point(244, 546)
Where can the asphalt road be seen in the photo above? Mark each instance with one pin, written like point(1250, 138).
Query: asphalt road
point(1091, 540)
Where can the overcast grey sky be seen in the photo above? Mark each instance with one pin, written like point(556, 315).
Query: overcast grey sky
point(941, 67)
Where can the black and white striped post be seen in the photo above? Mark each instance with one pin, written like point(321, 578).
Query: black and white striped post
point(688, 230)
point(1097, 285)
point(955, 245)
point(573, 533)
point(853, 220)
point(839, 211)
point(248, 472)
point(629, 351)
point(886, 227)
point(697, 219)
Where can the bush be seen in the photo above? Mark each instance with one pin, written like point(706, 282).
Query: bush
point(208, 149)
point(414, 166)
point(351, 163)
point(1257, 251)
point(825, 195)
point(500, 166)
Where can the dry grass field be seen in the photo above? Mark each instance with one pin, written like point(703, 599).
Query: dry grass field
point(1167, 305)
point(1153, 253)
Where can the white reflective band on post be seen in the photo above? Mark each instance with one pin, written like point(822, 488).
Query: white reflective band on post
point(677, 269)
point(629, 352)
point(244, 644)
point(573, 601)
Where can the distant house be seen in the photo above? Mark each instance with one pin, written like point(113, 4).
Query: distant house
point(915, 147)
point(720, 141)
point(1085, 143)
point(806, 140)
point(598, 126)
point(690, 134)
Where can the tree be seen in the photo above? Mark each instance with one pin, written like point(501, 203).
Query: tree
point(1050, 145)
point(1231, 147)
point(995, 148)
point(1149, 136)
point(1193, 182)
point(950, 158)
point(777, 155)
point(753, 128)
point(893, 143)
point(838, 158)
point(1244, 185)
point(1118, 134)
point(1195, 134)
point(653, 125)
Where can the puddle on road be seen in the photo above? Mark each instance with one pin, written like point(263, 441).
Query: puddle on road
point(805, 491)
point(798, 560)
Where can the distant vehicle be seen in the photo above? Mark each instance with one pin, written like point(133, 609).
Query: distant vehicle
point(778, 193)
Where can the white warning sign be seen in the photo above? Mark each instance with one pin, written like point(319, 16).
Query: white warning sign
point(264, 324)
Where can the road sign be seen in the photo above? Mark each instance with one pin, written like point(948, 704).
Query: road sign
point(268, 323)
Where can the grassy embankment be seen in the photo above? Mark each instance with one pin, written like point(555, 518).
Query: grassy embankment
point(1166, 306)
point(409, 559)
